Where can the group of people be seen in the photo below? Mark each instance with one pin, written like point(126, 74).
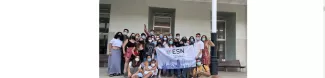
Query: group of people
point(139, 57)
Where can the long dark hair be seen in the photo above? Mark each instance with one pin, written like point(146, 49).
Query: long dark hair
point(184, 39)
point(147, 39)
point(119, 35)
point(132, 37)
point(169, 43)
point(135, 63)
point(204, 36)
point(191, 42)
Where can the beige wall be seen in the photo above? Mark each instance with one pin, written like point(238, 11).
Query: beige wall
point(190, 16)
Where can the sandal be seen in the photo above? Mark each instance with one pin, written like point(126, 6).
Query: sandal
point(111, 75)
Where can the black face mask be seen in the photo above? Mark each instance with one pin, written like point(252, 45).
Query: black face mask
point(159, 43)
point(141, 41)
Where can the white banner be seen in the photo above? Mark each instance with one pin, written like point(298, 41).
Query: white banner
point(176, 58)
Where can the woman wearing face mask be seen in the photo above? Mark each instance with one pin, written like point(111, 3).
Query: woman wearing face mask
point(143, 36)
point(132, 34)
point(170, 45)
point(114, 55)
point(177, 43)
point(134, 67)
point(184, 41)
point(205, 53)
point(170, 36)
point(128, 50)
point(165, 41)
point(140, 47)
point(159, 45)
point(149, 47)
point(148, 69)
point(161, 36)
point(192, 40)
point(137, 36)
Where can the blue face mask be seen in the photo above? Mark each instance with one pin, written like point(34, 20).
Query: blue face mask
point(165, 38)
point(203, 39)
point(198, 63)
point(149, 59)
point(154, 42)
point(170, 42)
point(161, 36)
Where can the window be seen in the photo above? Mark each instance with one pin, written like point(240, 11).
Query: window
point(104, 13)
point(162, 24)
point(161, 20)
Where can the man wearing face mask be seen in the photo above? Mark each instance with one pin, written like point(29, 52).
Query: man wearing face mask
point(125, 33)
point(201, 70)
point(178, 36)
point(125, 38)
point(198, 45)
point(149, 47)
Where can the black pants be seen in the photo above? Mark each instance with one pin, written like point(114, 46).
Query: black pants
point(122, 61)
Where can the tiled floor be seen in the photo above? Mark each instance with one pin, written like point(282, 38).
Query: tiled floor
point(103, 71)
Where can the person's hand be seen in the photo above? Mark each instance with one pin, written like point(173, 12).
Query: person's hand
point(109, 54)
point(145, 26)
point(129, 74)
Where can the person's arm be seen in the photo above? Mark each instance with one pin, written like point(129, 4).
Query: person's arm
point(211, 43)
point(110, 47)
point(206, 72)
point(133, 51)
point(146, 66)
point(124, 44)
point(194, 73)
point(145, 30)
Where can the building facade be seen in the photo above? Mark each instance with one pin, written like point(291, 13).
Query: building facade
point(178, 16)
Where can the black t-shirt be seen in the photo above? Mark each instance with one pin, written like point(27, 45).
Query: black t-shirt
point(149, 48)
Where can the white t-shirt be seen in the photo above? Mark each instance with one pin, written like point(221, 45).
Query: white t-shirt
point(116, 42)
point(199, 45)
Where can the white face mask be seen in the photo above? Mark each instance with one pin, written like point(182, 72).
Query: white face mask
point(125, 33)
point(152, 65)
point(198, 39)
point(150, 40)
point(137, 59)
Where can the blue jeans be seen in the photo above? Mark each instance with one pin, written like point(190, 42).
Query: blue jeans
point(182, 73)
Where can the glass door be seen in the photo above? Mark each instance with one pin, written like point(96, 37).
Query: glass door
point(221, 39)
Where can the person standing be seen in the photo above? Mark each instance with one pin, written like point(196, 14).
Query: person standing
point(198, 45)
point(191, 40)
point(184, 41)
point(128, 50)
point(140, 47)
point(114, 52)
point(125, 38)
point(178, 36)
point(149, 47)
point(205, 53)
